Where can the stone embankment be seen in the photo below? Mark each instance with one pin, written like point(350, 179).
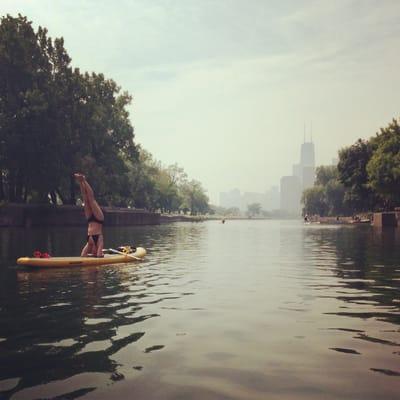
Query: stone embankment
point(378, 219)
point(27, 215)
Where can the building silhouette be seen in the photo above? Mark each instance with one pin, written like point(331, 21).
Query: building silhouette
point(307, 165)
point(303, 177)
point(231, 199)
point(290, 194)
point(269, 200)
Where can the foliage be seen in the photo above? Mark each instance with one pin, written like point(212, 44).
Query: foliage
point(325, 174)
point(194, 198)
point(367, 177)
point(314, 201)
point(225, 212)
point(383, 167)
point(254, 209)
point(353, 174)
point(55, 120)
point(327, 197)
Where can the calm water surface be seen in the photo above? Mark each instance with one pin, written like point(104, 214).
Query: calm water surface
point(246, 310)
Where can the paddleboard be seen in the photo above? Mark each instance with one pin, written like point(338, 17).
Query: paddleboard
point(54, 262)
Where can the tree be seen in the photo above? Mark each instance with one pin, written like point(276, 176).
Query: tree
point(24, 127)
point(233, 211)
point(353, 174)
point(314, 201)
point(55, 120)
point(194, 197)
point(383, 167)
point(335, 198)
point(325, 174)
point(253, 209)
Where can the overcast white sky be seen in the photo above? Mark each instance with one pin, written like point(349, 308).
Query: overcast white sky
point(223, 87)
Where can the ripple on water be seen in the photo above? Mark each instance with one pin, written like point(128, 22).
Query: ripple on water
point(253, 310)
point(96, 321)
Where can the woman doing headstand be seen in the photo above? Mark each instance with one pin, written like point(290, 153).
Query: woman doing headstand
point(95, 218)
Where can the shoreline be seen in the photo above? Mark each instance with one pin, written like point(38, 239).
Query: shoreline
point(47, 215)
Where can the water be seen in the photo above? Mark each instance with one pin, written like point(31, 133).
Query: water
point(245, 310)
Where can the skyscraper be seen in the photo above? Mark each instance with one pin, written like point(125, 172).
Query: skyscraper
point(303, 178)
point(307, 156)
point(307, 164)
point(290, 194)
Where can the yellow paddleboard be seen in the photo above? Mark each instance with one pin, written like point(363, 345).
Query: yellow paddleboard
point(54, 262)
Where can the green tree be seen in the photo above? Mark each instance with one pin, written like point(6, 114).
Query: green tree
point(383, 167)
point(141, 176)
point(168, 181)
point(24, 126)
point(194, 197)
point(314, 200)
point(55, 120)
point(335, 198)
point(325, 174)
point(353, 174)
point(253, 209)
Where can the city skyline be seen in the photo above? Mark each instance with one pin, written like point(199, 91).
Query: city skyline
point(227, 100)
point(286, 197)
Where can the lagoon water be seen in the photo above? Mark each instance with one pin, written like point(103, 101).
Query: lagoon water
point(242, 310)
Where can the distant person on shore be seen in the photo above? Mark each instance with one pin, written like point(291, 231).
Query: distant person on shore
point(95, 218)
point(306, 218)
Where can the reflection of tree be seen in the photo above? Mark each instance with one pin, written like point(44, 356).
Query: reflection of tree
point(50, 318)
point(366, 261)
point(32, 350)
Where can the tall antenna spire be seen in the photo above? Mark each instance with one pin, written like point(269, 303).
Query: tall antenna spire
point(311, 131)
point(304, 132)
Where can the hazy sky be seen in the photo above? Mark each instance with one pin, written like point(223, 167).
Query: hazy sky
point(223, 87)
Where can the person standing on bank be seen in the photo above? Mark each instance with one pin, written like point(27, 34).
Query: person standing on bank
point(95, 218)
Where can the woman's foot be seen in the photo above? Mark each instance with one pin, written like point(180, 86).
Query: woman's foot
point(79, 177)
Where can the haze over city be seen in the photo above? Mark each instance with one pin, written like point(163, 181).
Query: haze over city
point(224, 88)
point(199, 199)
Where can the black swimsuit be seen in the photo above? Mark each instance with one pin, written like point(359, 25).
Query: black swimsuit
point(95, 238)
point(92, 218)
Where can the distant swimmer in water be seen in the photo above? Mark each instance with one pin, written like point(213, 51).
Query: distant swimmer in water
point(95, 218)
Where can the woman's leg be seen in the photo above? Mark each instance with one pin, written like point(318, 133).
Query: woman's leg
point(86, 203)
point(99, 246)
point(85, 250)
point(94, 207)
point(90, 248)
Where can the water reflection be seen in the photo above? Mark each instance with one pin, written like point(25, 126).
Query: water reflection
point(62, 323)
point(367, 284)
point(242, 310)
point(367, 265)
